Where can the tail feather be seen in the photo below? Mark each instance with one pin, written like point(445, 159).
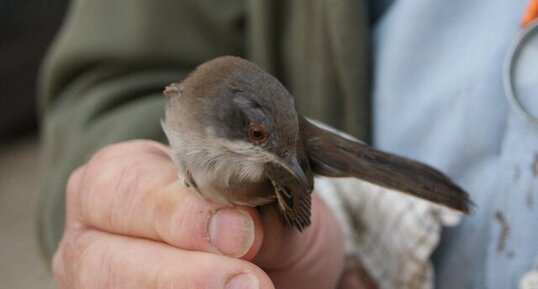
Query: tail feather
point(335, 156)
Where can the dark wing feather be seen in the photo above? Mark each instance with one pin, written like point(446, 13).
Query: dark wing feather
point(293, 198)
point(294, 208)
point(335, 156)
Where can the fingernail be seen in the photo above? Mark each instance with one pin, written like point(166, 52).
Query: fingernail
point(231, 231)
point(243, 281)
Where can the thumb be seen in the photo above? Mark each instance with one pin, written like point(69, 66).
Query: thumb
point(311, 259)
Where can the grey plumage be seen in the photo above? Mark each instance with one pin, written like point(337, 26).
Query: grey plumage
point(238, 140)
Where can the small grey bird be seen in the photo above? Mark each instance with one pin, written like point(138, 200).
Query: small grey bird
point(238, 140)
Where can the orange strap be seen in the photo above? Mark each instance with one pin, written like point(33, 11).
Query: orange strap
point(531, 13)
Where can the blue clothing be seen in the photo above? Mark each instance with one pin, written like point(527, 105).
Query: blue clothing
point(439, 98)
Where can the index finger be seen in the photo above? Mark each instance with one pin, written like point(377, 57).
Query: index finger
point(132, 189)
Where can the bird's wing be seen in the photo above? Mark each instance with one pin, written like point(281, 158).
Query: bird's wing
point(335, 156)
point(293, 198)
point(294, 206)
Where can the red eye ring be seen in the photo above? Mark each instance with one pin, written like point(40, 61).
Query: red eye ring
point(256, 133)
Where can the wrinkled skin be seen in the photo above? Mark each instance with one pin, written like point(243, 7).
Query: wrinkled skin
point(131, 223)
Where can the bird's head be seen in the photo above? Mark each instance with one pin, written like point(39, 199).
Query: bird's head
point(232, 107)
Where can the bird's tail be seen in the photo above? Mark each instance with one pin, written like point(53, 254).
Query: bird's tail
point(335, 156)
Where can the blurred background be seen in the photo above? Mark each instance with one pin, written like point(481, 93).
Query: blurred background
point(26, 29)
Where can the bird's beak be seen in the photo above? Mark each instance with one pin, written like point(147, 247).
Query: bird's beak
point(295, 168)
point(287, 171)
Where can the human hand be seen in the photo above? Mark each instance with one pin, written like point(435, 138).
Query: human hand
point(131, 224)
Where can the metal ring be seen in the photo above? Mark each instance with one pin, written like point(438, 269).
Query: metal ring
point(509, 70)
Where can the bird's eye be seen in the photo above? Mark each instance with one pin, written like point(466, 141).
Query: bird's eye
point(256, 133)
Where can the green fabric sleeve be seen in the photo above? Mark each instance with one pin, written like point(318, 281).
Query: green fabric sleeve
point(103, 78)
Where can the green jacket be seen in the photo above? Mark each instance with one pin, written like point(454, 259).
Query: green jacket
point(102, 80)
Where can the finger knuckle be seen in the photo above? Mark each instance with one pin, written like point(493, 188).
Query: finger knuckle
point(58, 268)
point(136, 146)
point(106, 170)
point(73, 187)
point(111, 178)
point(95, 266)
point(66, 257)
point(102, 164)
point(74, 179)
point(120, 163)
